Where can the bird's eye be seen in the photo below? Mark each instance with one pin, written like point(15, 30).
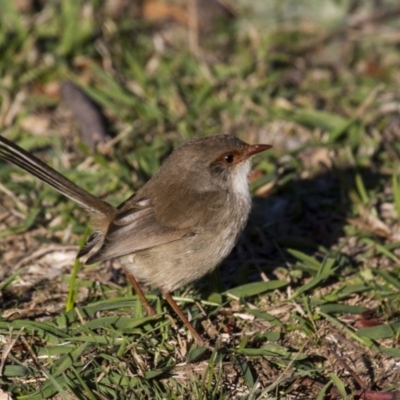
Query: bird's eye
point(229, 158)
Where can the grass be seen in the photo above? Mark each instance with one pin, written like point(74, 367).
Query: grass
point(308, 300)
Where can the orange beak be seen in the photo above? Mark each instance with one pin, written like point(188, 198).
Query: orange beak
point(256, 148)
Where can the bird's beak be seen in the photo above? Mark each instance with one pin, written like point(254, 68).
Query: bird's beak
point(256, 148)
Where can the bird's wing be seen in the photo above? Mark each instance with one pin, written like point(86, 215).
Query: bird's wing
point(133, 229)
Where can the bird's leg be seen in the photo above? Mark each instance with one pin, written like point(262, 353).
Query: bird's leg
point(182, 316)
point(139, 292)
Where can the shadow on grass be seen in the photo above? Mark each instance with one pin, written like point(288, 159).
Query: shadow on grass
point(307, 215)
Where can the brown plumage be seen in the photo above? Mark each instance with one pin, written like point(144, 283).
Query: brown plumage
point(178, 226)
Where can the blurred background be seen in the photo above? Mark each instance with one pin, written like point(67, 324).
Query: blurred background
point(103, 90)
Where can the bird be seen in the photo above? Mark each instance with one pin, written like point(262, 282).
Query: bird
point(175, 229)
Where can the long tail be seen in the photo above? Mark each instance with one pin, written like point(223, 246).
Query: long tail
point(100, 211)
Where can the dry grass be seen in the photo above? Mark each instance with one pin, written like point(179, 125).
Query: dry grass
point(307, 304)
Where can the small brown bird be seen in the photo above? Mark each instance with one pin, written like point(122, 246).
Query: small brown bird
point(178, 227)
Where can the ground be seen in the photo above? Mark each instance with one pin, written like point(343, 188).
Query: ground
point(306, 306)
